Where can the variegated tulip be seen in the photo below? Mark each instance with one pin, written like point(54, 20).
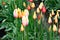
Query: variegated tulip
point(25, 20)
point(34, 15)
point(22, 28)
point(54, 28)
point(19, 13)
point(49, 20)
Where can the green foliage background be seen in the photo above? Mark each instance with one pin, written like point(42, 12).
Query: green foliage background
point(33, 31)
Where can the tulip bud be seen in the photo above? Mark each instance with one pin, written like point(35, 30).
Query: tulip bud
point(22, 28)
point(34, 15)
point(26, 12)
point(23, 14)
point(38, 11)
point(53, 12)
point(49, 20)
point(15, 13)
point(54, 28)
point(24, 4)
point(57, 14)
point(29, 8)
point(19, 13)
point(32, 5)
point(56, 19)
point(41, 5)
point(25, 20)
point(49, 28)
point(50, 15)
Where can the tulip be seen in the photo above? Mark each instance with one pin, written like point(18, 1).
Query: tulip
point(15, 13)
point(54, 28)
point(38, 11)
point(57, 14)
point(41, 5)
point(26, 12)
point(49, 20)
point(25, 20)
point(53, 12)
point(34, 15)
point(32, 5)
point(24, 4)
point(29, 8)
point(22, 28)
point(50, 15)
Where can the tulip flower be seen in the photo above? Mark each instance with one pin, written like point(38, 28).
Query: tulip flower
point(41, 5)
point(38, 11)
point(19, 13)
point(56, 19)
point(34, 15)
point(49, 20)
point(32, 5)
point(53, 12)
point(54, 28)
point(25, 20)
point(15, 13)
point(26, 12)
point(22, 28)
point(57, 14)
point(50, 15)
point(24, 4)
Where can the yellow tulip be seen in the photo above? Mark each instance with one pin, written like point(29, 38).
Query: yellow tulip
point(38, 11)
point(53, 12)
point(22, 28)
point(34, 15)
point(41, 5)
point(49, 20)
point(24, 4)
point(32, 5)
point(54, 28)
point(57, 14)
point(50, 15)
point(56, 19)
